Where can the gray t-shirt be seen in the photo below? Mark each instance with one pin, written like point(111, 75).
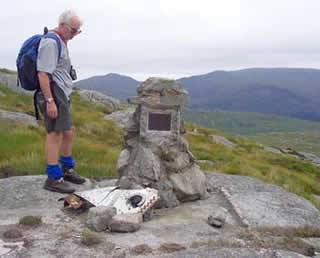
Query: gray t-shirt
point(59, 69)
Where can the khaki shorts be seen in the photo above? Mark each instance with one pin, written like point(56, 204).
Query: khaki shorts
point(64, 121)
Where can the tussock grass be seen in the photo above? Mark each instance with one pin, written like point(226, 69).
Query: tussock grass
point(90, 238)
point(12, 233)
point(30, 221)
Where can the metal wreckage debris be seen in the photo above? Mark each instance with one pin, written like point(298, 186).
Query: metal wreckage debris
point(125, 201)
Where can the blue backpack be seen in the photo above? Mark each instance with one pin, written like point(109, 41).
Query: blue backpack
point(27, 64)
point(27, 60)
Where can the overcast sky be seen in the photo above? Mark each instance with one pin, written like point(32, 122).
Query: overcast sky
point(172, 38)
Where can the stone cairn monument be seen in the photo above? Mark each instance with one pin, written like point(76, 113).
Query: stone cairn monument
point(156, 154)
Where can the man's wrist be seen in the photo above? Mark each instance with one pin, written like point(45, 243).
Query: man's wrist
point(49, 100)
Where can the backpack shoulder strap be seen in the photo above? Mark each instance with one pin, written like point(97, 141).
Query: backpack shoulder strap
point(55, 37)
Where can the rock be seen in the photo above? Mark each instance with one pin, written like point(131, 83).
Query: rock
point(99, 218)
point(185, 225)
point(10, 81)
point(126, 222)
point(123, 118)
point(128, 183)
point(272, 149)
point(24, 195)
point(146, 164)
point(159, 85)
point(16, 117)
point(167, 197)
point(96, 97)
point(123, 161)
point(218, 218)
point(264, 205)
point(222, 140)
point(309, 156)
point(206, 162)
point(189, 185)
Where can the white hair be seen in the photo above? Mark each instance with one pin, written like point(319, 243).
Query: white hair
point(67, 15)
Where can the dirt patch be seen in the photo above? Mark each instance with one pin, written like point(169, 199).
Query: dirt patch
point(170, 247)
point(6, 172)
point(141, 250)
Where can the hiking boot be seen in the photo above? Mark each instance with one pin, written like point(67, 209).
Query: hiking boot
point(69, 174)
point(58, 185)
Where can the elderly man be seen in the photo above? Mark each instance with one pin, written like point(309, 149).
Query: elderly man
point(55, 76)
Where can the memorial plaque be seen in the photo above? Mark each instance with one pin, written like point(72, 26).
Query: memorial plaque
point(159, 122)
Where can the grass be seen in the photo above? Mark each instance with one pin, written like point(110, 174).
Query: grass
point(30, 221)
point(307, 141)
point(249, 123)
point(4, 70)
point(90, 238)
point(97, 143)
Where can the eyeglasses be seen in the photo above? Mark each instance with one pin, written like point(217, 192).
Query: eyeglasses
point(73, 30)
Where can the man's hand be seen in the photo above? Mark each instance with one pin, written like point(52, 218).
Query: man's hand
point(52, 110)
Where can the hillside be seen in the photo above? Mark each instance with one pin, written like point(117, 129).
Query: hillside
point(291, 92)
point(98, 144)
point(112, 84)
point(282, 91)
point(245, 123)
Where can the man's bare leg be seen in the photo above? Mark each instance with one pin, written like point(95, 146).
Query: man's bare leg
point(66, 143)
point(52, 147)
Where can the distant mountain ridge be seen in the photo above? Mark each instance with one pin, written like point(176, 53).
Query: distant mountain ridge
point(112, 84)
point(292, 92)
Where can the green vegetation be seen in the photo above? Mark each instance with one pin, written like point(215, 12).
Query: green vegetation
point(243, 123)
point(98, 144)
point(4, 70)
point(302, 141)
point(30, 221)
point(12, 233)
point(90, 238)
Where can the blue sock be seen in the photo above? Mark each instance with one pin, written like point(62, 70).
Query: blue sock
point(54, 171)
point(67, 162)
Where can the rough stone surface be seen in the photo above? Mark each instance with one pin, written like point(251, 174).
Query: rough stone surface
point(222, 140)
point(99, 218)
point(218, 218)
point(207, 162)
point(10, 81)
point(272, 149)
point(262, 205)
point(190, 185)
point(16, 117)
point(167, 197)
point(123, 161)
point(159, 85)
point(312, 157)
point(17, 193)
point(126, 222)
point(185, 225)
point(123, 118)
point(96, 97)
